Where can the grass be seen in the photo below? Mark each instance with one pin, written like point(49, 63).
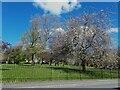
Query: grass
point(23, 73)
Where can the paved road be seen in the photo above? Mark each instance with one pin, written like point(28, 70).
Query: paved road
point(66, 84)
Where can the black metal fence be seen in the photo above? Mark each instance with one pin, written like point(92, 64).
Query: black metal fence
point(46, 72)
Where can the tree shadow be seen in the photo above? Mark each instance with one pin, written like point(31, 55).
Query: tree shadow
point(118, 88)
point(3, 69)
point(70, 70)
point(24, 64)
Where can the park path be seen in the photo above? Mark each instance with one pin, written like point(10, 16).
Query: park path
point(66, 84)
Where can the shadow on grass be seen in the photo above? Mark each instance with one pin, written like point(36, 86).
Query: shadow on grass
point(24, 64)
point(3, 69)
point(70, 70)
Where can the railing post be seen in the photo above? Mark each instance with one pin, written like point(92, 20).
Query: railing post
point(80, 73)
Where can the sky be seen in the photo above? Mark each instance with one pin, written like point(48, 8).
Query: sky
point(16, 15)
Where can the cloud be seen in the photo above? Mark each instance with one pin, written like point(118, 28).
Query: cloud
point(56, 7)
point(113, 30)
point(60, 30)
point(56, 32)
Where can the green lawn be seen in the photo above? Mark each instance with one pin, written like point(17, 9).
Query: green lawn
point(21, 73)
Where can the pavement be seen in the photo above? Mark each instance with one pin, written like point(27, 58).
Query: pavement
point(113, 83)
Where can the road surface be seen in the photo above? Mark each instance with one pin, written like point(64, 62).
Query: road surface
point(66, 84)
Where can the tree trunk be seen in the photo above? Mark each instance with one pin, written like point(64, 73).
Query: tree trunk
point(50, 62)
point(55, 63)
point(41, 61)
point(63, 63)
point(33, 62)
point(83, 65)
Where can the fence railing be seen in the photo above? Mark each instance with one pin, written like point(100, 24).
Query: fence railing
point(46, 72)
